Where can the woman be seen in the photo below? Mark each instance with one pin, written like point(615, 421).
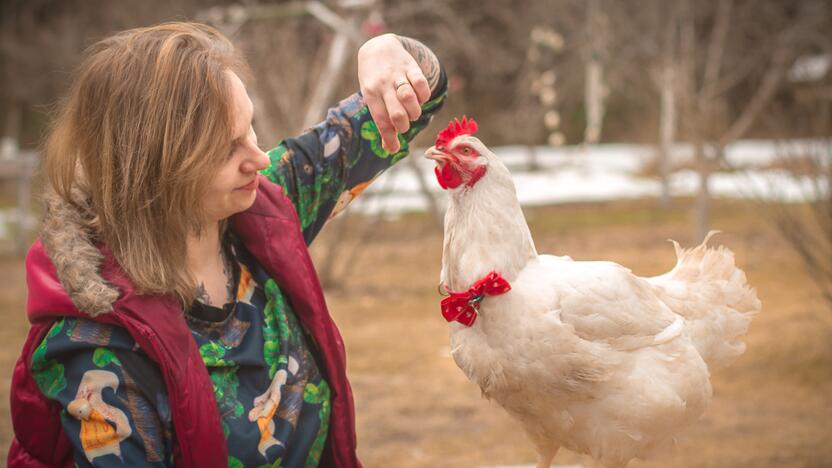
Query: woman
point(176, 316)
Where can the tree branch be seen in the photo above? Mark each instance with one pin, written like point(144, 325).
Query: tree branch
point(716, 49)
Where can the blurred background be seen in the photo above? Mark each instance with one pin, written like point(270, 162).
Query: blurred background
point(624, 122)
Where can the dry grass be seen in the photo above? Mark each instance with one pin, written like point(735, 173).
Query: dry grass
point(416, 409)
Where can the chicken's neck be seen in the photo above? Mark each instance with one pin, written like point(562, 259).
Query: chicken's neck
point(485, 231)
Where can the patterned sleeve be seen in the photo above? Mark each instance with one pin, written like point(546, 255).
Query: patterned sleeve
point(106, 415)
point(325, 168)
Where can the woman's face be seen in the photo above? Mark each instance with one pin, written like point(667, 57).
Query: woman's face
point(234, 186)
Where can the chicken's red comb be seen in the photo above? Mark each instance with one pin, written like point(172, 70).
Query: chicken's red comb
point(454, 129)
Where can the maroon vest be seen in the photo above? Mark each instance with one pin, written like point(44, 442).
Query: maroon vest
point(271, 231)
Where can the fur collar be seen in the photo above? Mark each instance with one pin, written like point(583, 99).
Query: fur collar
point(68, 236)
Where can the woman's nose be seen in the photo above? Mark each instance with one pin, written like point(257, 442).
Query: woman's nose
point(258, 160)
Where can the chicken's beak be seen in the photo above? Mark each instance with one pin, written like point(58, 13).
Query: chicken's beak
point(436, 155)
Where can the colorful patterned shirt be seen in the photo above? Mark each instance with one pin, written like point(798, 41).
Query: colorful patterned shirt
point(115, 409)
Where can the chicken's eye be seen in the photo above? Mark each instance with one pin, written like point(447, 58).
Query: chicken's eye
point(466, 150)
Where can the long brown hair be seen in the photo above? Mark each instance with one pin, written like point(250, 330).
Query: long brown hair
point(146, 124)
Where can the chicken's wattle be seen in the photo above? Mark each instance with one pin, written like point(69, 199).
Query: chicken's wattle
point(448, 177)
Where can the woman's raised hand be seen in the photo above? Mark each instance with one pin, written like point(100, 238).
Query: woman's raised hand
point(392, 79)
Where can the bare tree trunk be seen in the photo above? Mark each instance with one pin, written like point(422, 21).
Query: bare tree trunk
point(667, 131)
point(326, 271)
point(693, 114)
point(594, 85)
point(330, 76)
point(667, 107)
point(704, 108)
point(594, 102)
point(10, 150)
point(533, 164)
point(24, 199)
point(703, 209)
point(10, 139)
point(716, 49)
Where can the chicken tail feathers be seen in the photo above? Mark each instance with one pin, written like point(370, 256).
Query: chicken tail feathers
point(713, 295)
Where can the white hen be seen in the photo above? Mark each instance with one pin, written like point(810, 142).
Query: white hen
point(585, 355)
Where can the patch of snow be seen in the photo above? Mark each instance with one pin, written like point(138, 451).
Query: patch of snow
point(810, 68)
point(611, 172)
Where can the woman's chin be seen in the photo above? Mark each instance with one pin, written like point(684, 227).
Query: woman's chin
point(243, 200)
point(237, 203)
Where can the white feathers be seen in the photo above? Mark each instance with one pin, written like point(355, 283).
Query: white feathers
point(672, 331)
point(712, 294)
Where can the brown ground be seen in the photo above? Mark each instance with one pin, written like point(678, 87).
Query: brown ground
point(416, 409)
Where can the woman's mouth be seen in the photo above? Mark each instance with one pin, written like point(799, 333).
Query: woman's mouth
point(249, 186)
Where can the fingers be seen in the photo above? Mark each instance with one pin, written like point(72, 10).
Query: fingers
point(408, 99)
point(395, 109)
point(420, 85)
point(396, 106)
point(386, 129)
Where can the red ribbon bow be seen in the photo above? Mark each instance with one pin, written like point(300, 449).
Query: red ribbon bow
point(463, 306)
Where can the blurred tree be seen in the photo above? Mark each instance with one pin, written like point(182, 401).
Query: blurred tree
point(42, 41)
point(807, 225)
point(545, 44)
point(298, 51)
point(713, 65)
point(748, 46)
